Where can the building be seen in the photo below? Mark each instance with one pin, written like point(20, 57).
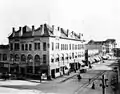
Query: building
point(95, 47)
point(100, 49)
point(4, 57)
point(110, 44)
point(45, 49)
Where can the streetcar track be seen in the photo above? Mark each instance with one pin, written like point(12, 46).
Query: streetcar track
point(88, 82)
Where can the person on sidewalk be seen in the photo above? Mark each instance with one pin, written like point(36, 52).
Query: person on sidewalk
point(40, 73)
point(79, 77)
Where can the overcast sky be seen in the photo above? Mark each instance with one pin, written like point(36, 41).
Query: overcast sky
point(96, 19)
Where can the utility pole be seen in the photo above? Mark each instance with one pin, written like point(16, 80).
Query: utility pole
point(103, 85)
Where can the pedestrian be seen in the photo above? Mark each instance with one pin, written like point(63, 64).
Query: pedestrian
point(40, 76)
point(79, 77)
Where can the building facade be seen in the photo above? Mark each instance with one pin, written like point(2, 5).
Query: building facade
point(100, 48)
point(4, 57)
point(45, 49)
point(110, 45)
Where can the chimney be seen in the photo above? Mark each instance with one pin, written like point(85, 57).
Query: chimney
point(42, 28)
point(58, 28)
point(19, 28)
point(72, 32)
point(13, 31)
point(21, 32)
point(24, 29)
point(33, 28)
point(53, 29)
point(67, 32)
point(79, 35)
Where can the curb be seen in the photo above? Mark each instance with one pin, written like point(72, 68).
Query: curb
point(68, 78)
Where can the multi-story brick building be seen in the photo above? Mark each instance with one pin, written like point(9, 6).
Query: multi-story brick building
point(4, 57)
point(45, 49)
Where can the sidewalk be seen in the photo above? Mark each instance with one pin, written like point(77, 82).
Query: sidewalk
point(56, 80)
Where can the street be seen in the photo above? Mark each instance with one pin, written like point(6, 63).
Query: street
point(56, 86)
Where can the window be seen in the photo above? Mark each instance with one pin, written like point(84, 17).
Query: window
point(52, 60)
point(4, 57)
point(29, 58)
point(57, 70)
point(37, 59)
point(30, 47)
point(72, 46)
point(62, 57)
point(11, 57)
point(22, 47)
point(57, 59)
point(72, 55)
point(26, 46)
point(52, 45)
point(69, 46)
point(16, 46)
point(37, 46)
point(44, 58)
point(61, 46)
point(11, 46)
point(57, 45)
point(44, 46)
point(23, 57)
point(16, 57)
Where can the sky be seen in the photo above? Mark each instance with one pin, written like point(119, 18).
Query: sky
point(96, 19)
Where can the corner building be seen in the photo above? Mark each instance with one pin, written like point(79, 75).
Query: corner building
point(49, 50)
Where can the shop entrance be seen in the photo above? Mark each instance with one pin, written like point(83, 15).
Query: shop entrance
point(53, 73)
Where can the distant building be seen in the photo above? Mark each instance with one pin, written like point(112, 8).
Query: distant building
point(45, 49)
point(100, 48)
point(110, 44)
point(4, 56)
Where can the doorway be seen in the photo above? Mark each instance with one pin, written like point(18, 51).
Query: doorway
point(53, 73)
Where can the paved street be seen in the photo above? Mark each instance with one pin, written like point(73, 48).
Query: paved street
point(59, 85)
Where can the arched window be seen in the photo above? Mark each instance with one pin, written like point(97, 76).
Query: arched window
point(37, 58)
point(29, 58)
point(66, 56)
point(62, 57)
point(16, 57)
point(4, 57)
point(57, 58)
point(23, 57)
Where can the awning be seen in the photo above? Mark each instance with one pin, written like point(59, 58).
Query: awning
point(82, 63)
point(92, 59)
point(89, 59)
